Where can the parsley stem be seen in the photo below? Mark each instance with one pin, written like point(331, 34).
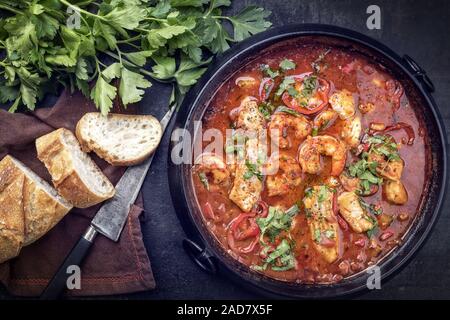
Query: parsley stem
point(5, 7)
point(87, 2)
point(127, 41)
point(141, 70)
point(221, 17)
point(76, 8)
point(156, 19)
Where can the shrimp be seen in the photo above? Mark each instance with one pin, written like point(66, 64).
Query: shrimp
point(352, 211)
point(313, 147)
point(351, 131)
point(322, 222)
point(324, 119)
point(212, 170)
point(288, 177)
point(343, 103)
point(281, 122)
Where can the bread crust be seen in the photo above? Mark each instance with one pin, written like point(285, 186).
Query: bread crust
point(52, 151)
point(88, 144)
point(12, 227)
point(27, 211)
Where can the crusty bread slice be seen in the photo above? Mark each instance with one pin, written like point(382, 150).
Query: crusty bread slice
point(12, 220)
point(76, 177)
point(29, 207)
point(120, 139)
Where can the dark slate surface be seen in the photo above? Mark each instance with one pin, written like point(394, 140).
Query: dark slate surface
point(419, 28)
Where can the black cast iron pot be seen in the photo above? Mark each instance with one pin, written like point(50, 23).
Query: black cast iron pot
point(205, 250)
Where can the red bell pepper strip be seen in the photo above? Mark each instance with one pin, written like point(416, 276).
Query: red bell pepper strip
point(235, 233)
point(395, 91)
point(265, 88)
point(400, 125)
point(322, 92)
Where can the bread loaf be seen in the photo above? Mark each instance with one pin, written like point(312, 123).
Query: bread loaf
point(29, 207)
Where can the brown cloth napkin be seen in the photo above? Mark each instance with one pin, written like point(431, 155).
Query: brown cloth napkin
point(110, 268)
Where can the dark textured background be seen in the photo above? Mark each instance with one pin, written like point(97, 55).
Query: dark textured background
point(419, 28)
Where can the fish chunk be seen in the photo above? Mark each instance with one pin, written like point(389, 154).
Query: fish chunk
point(323, 226)
point(250, 118)
point(351, 131)
point(248, 184)
point(395, 192)
point(352, 211)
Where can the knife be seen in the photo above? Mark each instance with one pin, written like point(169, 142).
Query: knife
point(109, 220)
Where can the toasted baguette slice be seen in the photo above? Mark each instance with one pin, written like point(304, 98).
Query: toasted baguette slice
point(29, 207)
point(76, 177)
point(122, 140)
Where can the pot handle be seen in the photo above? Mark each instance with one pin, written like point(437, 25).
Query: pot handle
point(201, 257)
point(419, 73)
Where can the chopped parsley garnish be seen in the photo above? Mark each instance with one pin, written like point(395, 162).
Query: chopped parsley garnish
point(309, 85)
point(252, 170)
point(322, 194)
point(365, 169)
point(317, 236)
point(330, 234)
point(267, 71)
point(204, 180)
point(309, 192)
point(316, 63)
point(372, 232)
point(266, 109)
point(383, 145)
point(372, 208)
point(366, 172)
point(280, 259)
point(284, 85)
point(287, 64)
point(235, 144)
point(273, 225)
point(276, 221)
point(287, 110)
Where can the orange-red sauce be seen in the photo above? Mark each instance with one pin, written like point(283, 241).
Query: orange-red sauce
point(362, 81)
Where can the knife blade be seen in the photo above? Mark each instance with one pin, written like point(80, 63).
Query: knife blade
point(109, 220)
point(111, 217)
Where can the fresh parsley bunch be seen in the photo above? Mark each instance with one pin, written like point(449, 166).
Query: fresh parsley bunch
point(104, 47)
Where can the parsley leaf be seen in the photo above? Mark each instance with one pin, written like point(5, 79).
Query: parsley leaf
point(284, 85)
point(252, 170)
point(43, 45)
point(103, 93)
point(267, 71)
point(130, 87)
point(249, 21)
point(287, 64)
